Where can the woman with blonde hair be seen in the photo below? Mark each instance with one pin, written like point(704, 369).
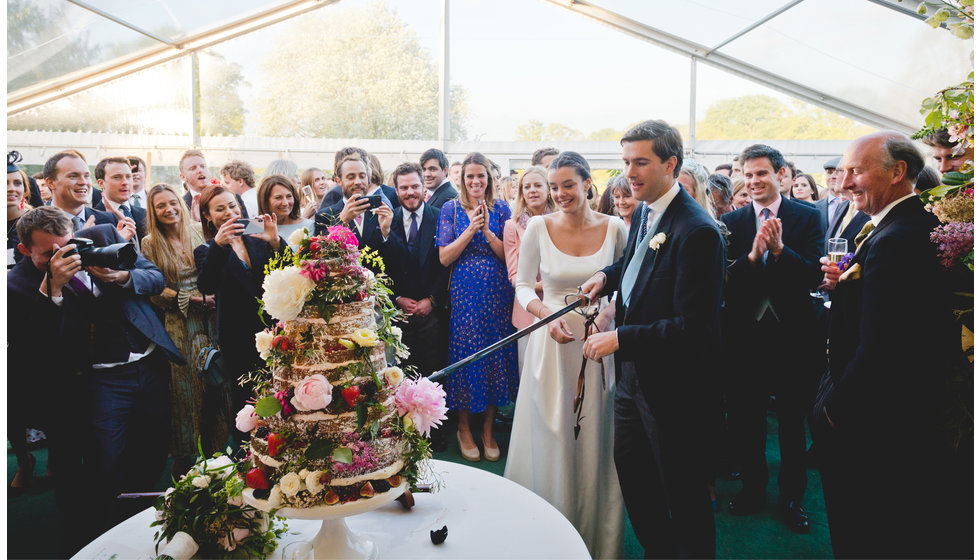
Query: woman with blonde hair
point(533, 199)
point(469, 240)
point(317, 180)
point(197, 411)
point(740, 194)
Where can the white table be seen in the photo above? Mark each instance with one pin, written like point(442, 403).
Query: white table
point(487, 515)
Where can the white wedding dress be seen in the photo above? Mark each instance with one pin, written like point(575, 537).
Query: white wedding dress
point(577, 476)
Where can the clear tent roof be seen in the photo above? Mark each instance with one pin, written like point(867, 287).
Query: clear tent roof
point(872, 60)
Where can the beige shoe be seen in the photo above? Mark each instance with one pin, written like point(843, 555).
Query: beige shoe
point(491, 453)
point(470, 454)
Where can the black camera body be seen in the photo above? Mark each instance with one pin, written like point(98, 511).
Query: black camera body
point(118, 256)
point(375, 201)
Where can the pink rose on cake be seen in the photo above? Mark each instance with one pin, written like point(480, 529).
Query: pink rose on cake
point(312, 393)
point(246, 420)
point(342, 235)
point(423, 402)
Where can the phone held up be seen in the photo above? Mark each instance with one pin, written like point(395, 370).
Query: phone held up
point(252, 225)
point(375, 201)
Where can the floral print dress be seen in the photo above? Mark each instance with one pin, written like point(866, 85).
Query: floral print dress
point(482, 298)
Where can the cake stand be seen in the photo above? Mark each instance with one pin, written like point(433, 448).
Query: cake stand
point(335, 539)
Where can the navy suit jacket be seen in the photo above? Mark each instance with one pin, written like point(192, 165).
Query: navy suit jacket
point(371, 237)
point(417, 274)
point(138, 215)
point(90, 327)
point(336, 194)
point(671, 330)
point(442, 194)
point(891, 343)
point(786, 281)
point(827, 222)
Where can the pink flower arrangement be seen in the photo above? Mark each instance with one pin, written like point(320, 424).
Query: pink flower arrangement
point(341, 235)
point(423, 401)
point(283, 399)
point(312, 393)
point(955, 241)
point(315, 271)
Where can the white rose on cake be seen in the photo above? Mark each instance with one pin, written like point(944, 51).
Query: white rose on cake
point(285, 292)
point(290, 484)
point(275, 496)
point(220, 466)
point(393, 375)
point(313, 483)
point(263, 343)
point(201, 481)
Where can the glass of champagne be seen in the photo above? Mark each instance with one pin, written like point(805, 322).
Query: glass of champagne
point(836, 249)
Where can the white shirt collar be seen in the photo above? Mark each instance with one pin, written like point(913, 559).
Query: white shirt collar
point(660, 205)
point(877, 218)
point(80, 213)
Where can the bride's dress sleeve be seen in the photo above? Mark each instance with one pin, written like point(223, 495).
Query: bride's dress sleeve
point(528, 262)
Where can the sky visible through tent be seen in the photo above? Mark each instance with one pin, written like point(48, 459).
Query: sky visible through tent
point(521, 59)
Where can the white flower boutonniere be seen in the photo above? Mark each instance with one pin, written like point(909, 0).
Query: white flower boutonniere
point(658, 240)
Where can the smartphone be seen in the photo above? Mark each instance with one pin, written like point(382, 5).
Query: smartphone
point(308, 193)
point(375, 201)
point(252, 225)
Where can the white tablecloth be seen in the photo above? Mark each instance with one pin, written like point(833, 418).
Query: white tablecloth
point(488, 517)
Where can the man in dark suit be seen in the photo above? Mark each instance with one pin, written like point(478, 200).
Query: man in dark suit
point(849, 224)
point(435, 169)
point(667, 343)
point(68, 178)
point(352, 210)
point(419, 279)
point(892, 480)
point(115, 176)
point(775, 246)
point(832, 206)
point(111, 333)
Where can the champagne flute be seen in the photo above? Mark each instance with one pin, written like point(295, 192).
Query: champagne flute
point(836, 249)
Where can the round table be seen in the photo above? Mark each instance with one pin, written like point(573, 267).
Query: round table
point(487, 515)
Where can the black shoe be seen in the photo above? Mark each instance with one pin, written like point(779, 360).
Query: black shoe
point(795, 517)
point(746, 504)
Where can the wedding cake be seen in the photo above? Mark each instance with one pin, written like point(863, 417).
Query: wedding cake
point(332, 422)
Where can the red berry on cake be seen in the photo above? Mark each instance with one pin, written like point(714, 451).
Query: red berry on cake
point(351, 394)
point(256, 479)
point(276, 443)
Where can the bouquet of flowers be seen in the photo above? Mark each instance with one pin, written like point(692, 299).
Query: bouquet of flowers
point(204, 511)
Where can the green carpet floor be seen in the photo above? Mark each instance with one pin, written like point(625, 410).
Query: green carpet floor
point(33, 525)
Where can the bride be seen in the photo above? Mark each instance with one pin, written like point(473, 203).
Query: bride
point(576, 475)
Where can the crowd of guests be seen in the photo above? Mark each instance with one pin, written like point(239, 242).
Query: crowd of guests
point(731, 299)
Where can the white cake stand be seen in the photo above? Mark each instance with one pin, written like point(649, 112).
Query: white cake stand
point(335, 539)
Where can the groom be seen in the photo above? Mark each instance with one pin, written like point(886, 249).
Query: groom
point(667, 344)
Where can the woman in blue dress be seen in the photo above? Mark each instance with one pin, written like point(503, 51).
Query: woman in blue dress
point(470, 239)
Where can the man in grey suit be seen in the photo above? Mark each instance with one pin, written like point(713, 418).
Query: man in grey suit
point(833, 206)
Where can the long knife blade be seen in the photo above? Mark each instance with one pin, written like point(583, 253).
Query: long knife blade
point(579, 302)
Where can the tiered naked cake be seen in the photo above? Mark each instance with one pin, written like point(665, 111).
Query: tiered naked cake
point(332, 422)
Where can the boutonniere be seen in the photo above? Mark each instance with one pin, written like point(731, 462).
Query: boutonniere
point(658, 240)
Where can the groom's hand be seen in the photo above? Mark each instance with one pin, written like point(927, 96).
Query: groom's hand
point(600, 345)
point(594, 285)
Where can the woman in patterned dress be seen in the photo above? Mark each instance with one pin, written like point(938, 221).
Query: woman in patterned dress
point(470, 240)
point(196, 411)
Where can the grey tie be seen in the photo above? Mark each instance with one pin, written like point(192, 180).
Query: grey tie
point(77, 222)
point(633, 268)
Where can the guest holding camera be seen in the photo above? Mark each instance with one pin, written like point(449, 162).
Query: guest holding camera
point(91, 296)
point(198, 412)
point(366, 216)
point(231, 266)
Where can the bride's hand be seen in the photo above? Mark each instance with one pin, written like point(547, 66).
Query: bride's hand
point(606, 321)
point(559, 331)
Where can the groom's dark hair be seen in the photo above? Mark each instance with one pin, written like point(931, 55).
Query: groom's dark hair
point(667, 141)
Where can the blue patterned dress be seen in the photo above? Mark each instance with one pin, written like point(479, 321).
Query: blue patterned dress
point(482, 299)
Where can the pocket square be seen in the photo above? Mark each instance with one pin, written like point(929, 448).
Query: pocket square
point(853, 272)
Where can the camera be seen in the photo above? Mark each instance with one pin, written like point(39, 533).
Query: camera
point(119, 256)
point(375, 201)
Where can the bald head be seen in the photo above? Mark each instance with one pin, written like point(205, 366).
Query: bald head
point(878, 169)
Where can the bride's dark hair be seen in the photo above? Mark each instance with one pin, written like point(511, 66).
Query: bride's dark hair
point(576, 162)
